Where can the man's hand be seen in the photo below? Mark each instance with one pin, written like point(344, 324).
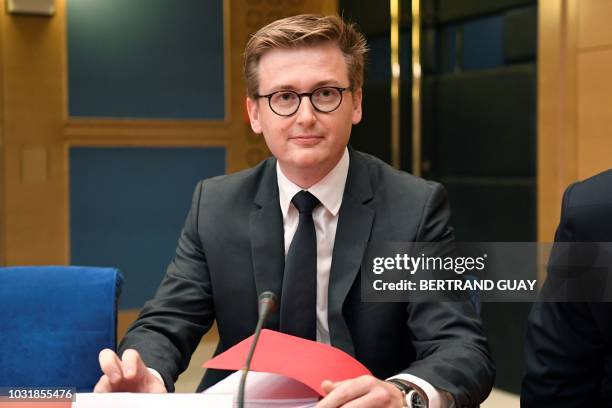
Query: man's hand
point(364, 391)
point(128, 374)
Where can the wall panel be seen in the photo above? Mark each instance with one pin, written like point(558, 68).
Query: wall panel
point(556, 110)
point(146, 59)
point(594, 28)
point(575, 44)
point(32, 70)
point(127, 208)
point(594, 153)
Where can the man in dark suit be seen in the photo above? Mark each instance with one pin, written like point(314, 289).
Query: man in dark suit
point(569, 344)
point(304, 77)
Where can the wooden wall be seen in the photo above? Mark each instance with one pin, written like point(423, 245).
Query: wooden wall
point(574, 100)
point(36, 132)
point(594, 93)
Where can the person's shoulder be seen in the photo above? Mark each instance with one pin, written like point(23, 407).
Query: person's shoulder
point(409, 207)
point(243, 176)
point(586, 213)
point(593, 191)
point(239, 185)
point(385, 177)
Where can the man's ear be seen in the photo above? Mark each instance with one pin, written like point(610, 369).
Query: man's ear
point(253, 111)
point(357, 94)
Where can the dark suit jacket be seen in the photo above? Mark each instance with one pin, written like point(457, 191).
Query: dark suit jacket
point(231, 249)
point(569, 345)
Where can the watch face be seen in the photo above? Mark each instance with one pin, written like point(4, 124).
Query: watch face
point(416, 401)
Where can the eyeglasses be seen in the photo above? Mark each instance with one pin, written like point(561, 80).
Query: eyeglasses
point(285, 103)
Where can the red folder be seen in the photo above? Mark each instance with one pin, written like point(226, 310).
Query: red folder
point(303, 360)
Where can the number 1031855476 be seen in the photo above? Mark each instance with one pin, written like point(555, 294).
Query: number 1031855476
point(37, 393)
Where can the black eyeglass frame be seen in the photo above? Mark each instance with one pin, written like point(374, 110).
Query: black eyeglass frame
point(302, 95)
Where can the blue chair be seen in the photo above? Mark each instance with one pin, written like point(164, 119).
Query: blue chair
point(54, 320)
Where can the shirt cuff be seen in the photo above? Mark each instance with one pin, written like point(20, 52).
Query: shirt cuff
point(437, 398)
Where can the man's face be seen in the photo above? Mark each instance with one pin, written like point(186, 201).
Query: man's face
point(307, 142)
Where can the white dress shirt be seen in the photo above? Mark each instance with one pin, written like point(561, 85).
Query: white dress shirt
point(329, 191)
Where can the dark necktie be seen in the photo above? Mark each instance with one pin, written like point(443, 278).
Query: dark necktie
point(298, 311)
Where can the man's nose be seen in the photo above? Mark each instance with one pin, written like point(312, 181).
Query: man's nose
point(306, 114)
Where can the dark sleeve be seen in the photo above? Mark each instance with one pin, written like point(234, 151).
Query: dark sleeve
point(452, 351)
point(563, 357)
point(563, 347)
point(171, 324)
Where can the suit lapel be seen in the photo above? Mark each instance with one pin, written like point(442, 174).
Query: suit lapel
point(352, 234)
point(267, 242)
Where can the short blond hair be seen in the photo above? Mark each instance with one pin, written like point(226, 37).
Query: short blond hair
point(306, 30)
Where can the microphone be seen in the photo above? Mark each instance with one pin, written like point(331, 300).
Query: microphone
point(267, 304)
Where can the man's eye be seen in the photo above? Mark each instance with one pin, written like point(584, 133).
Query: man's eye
point(286, 96)
point(325, 93)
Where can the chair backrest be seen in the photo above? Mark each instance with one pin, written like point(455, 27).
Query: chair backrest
point(54, 320)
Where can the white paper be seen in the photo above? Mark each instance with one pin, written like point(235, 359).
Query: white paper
point(267, 390)
point(136, 400)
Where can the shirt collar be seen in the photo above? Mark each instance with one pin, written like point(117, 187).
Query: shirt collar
point(329, 190)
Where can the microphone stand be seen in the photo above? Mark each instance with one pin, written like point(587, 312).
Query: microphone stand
point(267, 304)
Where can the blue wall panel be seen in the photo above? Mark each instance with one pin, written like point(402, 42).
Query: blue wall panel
point(127, 208)
point(146, 59)
point(483, 43)
point(378, 60)
point(448, 49)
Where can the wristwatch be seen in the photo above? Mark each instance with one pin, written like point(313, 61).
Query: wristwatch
point(414, 397)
